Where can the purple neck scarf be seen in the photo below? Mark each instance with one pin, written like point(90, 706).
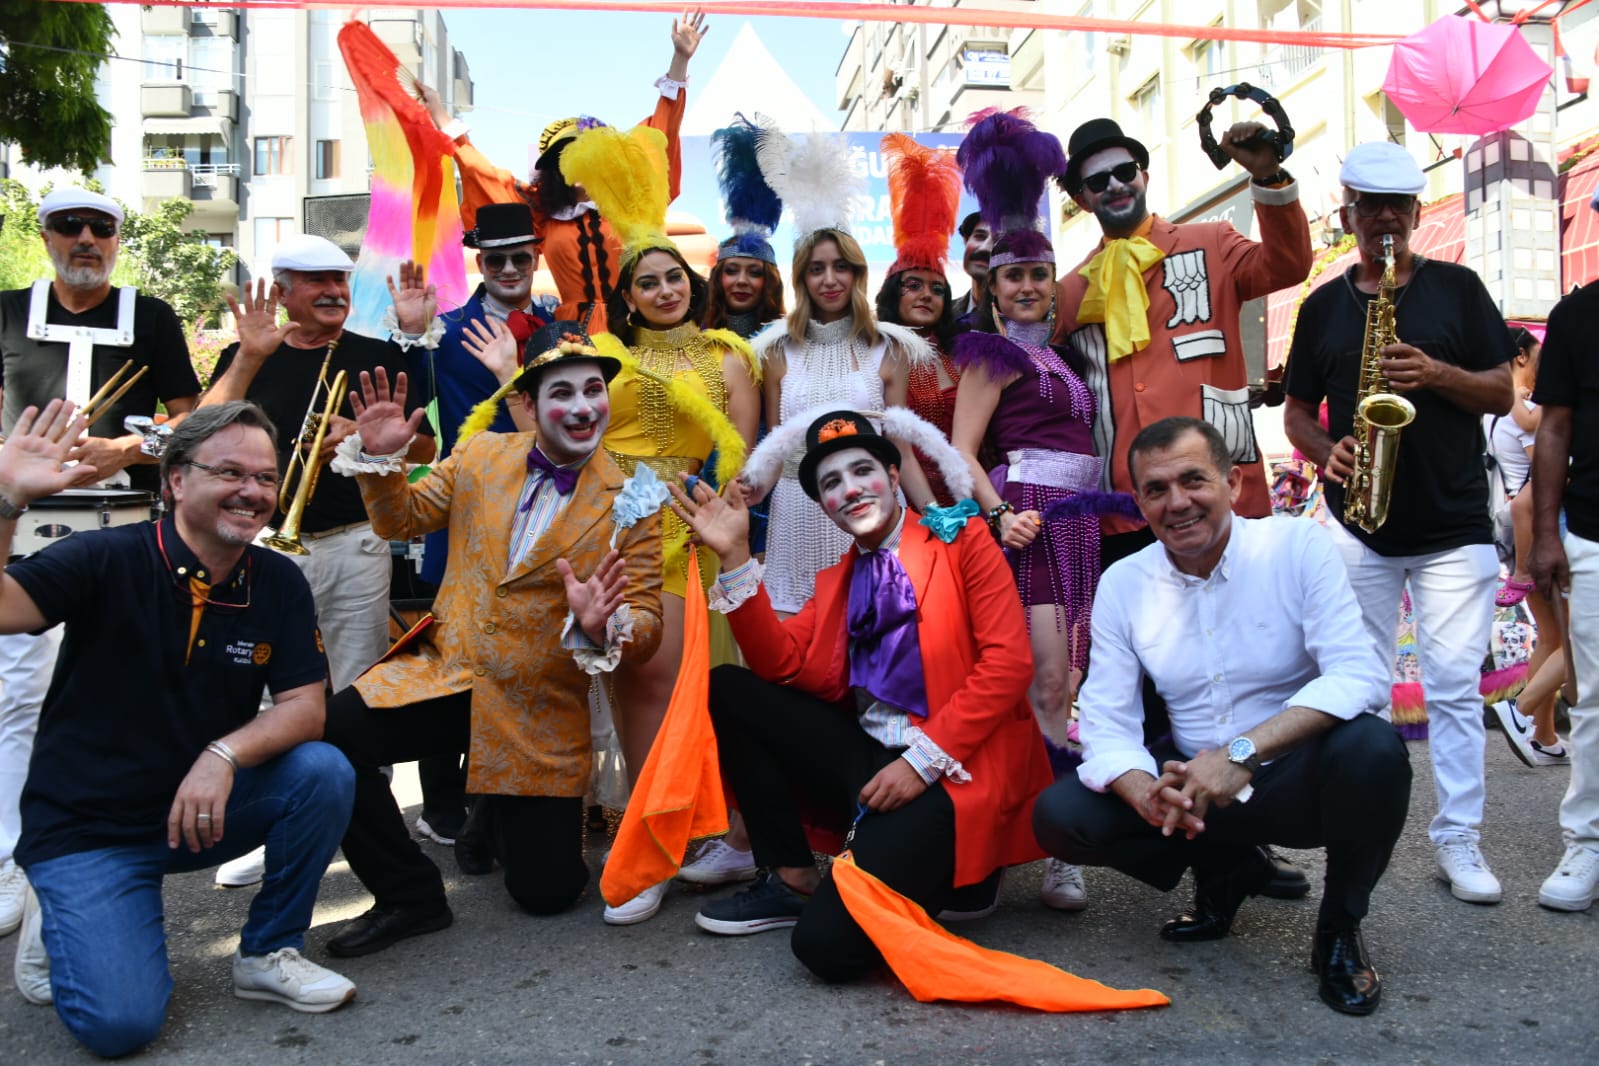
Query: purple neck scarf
point(885, 655)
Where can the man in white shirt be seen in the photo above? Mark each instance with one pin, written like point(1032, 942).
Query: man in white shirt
point(1250, 632)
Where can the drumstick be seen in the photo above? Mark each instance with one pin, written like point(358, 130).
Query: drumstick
point(115, 396)
point(110, 384)
point(1557, 603)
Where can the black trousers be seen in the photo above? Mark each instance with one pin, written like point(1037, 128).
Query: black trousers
point(538, 839)
point(1346, 790)
point(789, 755)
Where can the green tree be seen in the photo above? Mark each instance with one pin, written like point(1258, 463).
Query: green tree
point(23, 259)
point(175, 265)
point(49, 56)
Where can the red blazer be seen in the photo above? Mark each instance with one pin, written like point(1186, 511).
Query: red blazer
point(977, 662)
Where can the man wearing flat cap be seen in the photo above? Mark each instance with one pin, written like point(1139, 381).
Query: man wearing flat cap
point(535, 601)
point(63, 339)
point(1452, 363)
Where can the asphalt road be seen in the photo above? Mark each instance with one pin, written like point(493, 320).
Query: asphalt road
point(1511, 983)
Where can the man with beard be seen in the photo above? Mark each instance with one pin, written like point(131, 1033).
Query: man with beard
point(1169, 345)
point(535, 600)
point(42, 357)
point(151, 757)
point(979, 242)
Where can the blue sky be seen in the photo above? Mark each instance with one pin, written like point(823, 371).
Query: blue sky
point(532, 67)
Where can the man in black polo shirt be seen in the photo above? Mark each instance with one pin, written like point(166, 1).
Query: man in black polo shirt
point(173, 628)
point(1451, 362)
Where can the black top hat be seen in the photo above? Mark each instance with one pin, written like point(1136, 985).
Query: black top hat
point(559, 342)
point(836, 431)
point(1096, 135)
point(500, 226)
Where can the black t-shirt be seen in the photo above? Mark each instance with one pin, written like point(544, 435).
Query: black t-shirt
point(34, 372)
point(1568, 376)
point(126, 716)
point(1440, 487)
point(283, 388)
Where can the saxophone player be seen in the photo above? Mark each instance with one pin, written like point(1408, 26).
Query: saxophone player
point(1449, 360)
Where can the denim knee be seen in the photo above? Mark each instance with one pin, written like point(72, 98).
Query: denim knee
point(327, 778)
point(123, 1027)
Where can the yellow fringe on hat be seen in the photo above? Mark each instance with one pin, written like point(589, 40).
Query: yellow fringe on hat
point(625, 174)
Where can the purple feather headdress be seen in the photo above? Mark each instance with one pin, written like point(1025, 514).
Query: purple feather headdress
point(1021, 246)
point(751, 206)
point(1007, 162)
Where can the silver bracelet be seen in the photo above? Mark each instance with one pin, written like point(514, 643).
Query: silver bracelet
point(221, 750)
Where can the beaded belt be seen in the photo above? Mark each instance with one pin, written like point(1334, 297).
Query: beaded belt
point(1072, 471)
point(666, 467)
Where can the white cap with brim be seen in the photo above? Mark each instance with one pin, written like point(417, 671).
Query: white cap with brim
point(308, 253)
point(1382, 166)
point(78, 200)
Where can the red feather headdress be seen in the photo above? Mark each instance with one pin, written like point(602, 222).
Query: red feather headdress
point(924, 190)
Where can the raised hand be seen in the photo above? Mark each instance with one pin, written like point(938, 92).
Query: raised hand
point(595, 600)
point(259, 332)
point(415, 301)
point(687, 33)
point(491, 342)
point(721, 523)
point(33, 460)
point(380, 414)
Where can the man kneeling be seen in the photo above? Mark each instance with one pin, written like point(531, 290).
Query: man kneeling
point(897, 696)
point(1249, 630)
point(151, 758)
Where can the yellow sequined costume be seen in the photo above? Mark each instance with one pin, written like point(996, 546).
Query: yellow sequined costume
point(650, 426)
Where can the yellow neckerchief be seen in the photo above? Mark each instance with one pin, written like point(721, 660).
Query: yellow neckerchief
point(199, 593)
point(1116, 294)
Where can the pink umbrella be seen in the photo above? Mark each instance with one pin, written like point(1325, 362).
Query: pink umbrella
point(1463, 75)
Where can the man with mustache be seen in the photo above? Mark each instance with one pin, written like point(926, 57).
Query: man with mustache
point(535, 601)
point(1451, 361)
point(39, 362)
point(979, 242)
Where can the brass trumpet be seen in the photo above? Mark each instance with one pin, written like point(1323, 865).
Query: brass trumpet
point(299, 479)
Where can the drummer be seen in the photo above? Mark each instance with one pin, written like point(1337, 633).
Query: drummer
point(65, 338)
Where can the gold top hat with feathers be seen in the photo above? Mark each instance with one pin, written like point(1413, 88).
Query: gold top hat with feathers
point(625, 173)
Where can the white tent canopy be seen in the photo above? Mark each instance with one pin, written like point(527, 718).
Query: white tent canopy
point(751, 81)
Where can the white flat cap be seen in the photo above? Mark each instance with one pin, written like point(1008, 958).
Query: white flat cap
point(305, 252)
point(1382, 166)
point(78, 200)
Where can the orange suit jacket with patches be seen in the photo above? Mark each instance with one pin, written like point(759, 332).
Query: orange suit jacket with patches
point(497, 633)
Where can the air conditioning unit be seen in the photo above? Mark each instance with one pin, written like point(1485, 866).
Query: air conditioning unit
point(1120, 46)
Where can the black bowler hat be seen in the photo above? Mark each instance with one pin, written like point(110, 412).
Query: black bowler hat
point(1096, 135)
point(501, 226)
point(558, 342)
point(834, 432)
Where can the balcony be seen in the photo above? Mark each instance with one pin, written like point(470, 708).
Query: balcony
point(1284, 65)
point(164, 21)
point(165, 100)
point(213, 22)
point(404, 38)
point(212, 187)
point(224, 105)
point(167, 179)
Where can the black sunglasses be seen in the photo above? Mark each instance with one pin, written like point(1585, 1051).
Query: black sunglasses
point(1126, 173)
point(496, 260)
point(1370, 205)
point(72, 225)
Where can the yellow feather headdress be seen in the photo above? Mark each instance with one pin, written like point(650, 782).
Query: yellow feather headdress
point(625, 174)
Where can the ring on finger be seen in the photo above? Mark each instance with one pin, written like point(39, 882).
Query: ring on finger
point(691, 483)
point(202, 817)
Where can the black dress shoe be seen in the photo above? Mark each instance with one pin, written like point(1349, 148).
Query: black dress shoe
point(382, 926)
point(474, 848)
point(1287, 880)
point(1217, 897)
point(1349, 983)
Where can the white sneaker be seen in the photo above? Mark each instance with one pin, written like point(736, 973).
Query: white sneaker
point(32, 966)
point(287, 977)
point(1517, 730)
point(1575, 883)
point(719, 863)
point(1558, 755)
point(1462, 865)
point(1063, 886)
point(245, 870)
point(13, 888)
point(641, 908)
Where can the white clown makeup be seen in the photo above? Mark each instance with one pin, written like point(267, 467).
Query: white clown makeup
point(859, 494)
point(572, 409)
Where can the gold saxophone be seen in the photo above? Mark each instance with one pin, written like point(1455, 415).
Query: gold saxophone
point(1379, 412)
point(299, 480)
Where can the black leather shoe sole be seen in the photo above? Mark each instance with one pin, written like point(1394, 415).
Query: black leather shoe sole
point(1216, 902)
point(1287, 880)
point(1350, 985)
point(376, 930)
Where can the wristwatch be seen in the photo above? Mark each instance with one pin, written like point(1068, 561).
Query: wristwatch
point(9, 510)
point(1241, 750)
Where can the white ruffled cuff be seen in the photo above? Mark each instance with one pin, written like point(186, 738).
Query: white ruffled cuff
point(594, 659)
point(930, 760)
point(730, 590)
point(455, 129)
point(351, 461)
point(669, 86)
point(429, 340)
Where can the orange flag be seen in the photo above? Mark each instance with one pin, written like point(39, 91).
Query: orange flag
point(935, 964)
point(679, 792)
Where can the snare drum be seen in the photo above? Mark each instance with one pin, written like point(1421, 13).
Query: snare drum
point(78, 511)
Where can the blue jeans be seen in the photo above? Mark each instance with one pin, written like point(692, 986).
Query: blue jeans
point(102, 914)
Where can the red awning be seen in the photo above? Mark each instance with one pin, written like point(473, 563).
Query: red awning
point(1579, 224)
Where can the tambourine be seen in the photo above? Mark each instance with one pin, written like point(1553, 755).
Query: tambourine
point(1281, 140)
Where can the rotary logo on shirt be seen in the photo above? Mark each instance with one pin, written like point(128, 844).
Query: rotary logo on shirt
point(250, 652)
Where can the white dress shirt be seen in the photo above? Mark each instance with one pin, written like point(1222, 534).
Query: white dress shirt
point(1275, 626)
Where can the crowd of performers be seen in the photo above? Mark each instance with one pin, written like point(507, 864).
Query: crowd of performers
point(998, 569)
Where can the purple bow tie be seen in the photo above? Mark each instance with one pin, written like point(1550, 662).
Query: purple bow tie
point(564, 478)
point(885, 654)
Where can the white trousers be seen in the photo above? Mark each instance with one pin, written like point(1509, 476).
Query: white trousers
point(349, 572)
point(1579, 811)
point(26, 665)
point(1452, 593)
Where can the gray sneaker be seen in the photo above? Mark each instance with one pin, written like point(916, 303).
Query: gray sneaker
point(287, 977)
point(32, 966)
point(13, 890)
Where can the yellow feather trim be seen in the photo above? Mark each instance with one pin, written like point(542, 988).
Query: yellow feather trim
point(483, 414)
point(726, 338)
point(625, 174)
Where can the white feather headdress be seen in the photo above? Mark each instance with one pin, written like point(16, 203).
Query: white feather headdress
point(765, 464)
point(813, 175)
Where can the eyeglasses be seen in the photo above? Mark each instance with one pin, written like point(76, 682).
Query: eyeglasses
point(497, 260)
point(1370, 205)
point(232, 475)
point(938, 288)
point(1126, 173)
point(72, 225)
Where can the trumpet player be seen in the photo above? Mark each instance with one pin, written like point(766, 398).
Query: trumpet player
point(1447, 358)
